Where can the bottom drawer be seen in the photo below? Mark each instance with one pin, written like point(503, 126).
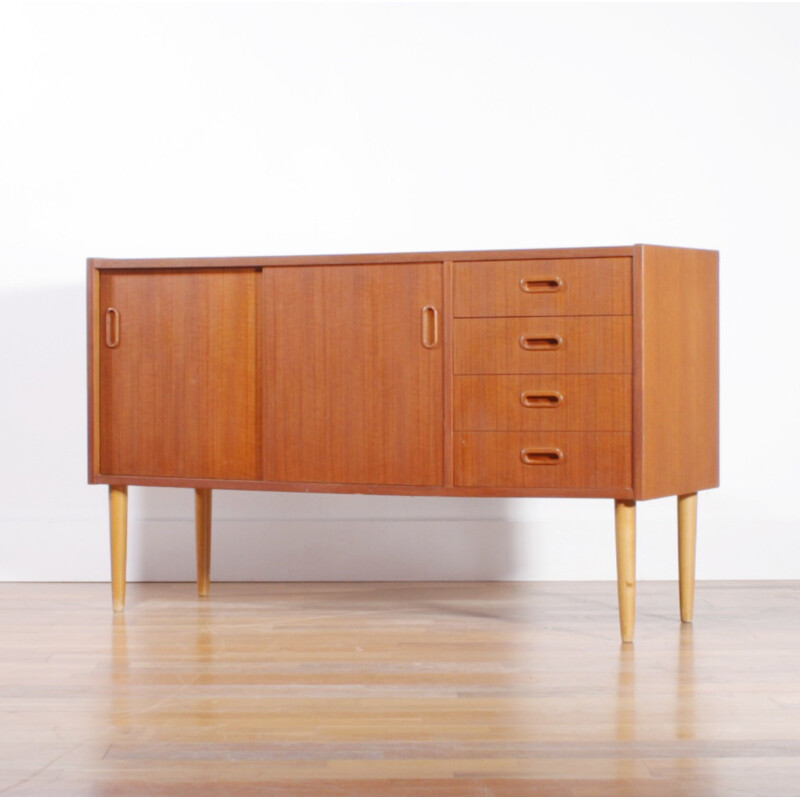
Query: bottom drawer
point(536, 460)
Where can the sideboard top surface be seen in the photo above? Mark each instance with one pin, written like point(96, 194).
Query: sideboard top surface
point(360, 258)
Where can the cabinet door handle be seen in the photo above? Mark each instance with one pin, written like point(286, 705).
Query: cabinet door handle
point(535, 342)
point(430, 327)
point(534, 285)
point(541, 399)
point(538, 456)
point(112, 327)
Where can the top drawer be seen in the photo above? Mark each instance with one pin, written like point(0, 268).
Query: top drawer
point(542, 287)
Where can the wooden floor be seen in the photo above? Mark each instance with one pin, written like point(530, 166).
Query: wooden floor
point(386, 689)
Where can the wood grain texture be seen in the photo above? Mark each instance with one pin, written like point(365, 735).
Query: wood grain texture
point(600, 461)
point(351, 395)
point(589, 345)
point(449, 389)
point(658, 404)
point(589, 403)
point(396, 689)
point(590, 286)
point(179, 395)
point(676, 384)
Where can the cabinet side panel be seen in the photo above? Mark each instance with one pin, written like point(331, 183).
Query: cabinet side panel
point(92, 370)
point(676, 363)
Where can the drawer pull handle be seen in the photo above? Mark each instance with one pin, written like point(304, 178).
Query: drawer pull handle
point(430, 327)
point(538, 456)
point(528, 342)
point(533, 285)
point(541, 399)
point(112, 327)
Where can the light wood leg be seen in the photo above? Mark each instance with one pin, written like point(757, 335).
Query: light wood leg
point(118, 513)
point(687, 538)
point(202, 512)
point(625, 519)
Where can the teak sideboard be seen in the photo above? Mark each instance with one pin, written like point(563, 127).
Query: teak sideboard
point(586, 372)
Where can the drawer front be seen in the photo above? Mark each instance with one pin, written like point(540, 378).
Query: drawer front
point(557, 460)
point(543, 403)
point(525, 345)
point(538, 287)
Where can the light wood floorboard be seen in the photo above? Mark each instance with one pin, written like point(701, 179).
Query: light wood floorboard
point(398, 689)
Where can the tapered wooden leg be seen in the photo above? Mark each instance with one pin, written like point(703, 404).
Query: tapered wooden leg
point(118, 513)
point(202, 512)
point(687, 538)
point(625, 519)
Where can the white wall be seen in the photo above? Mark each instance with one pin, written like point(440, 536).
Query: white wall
point(181, 129)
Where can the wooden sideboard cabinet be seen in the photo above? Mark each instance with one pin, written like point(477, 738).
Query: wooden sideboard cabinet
point(518, 373)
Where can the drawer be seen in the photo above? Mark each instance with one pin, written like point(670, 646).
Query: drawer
point(556, 460)
point(543, 403)
point(538, 287)
point(525, 345)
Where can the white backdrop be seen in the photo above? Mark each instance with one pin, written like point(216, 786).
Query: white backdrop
point(174, 129)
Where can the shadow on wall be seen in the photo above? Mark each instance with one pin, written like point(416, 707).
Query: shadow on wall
point(270, 536)
point(256, 535)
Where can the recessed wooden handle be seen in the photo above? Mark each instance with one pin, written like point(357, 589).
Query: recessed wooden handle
point(534, 285)
point(112, 327)
point(540, 342)
point(541, 456)
point(430, 327)
point(541, 399)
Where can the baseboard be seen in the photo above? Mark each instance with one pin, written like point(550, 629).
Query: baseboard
point(381, 549)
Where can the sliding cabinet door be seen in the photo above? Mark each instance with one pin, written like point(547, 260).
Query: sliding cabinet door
point(353, 374)
point(179, 385)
